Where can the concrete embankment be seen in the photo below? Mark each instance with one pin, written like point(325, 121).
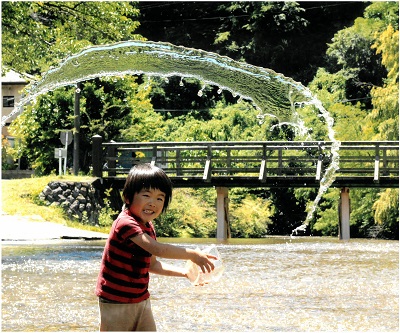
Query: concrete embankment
point(33, 228)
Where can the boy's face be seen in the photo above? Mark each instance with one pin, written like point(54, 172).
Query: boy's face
point(147, 204)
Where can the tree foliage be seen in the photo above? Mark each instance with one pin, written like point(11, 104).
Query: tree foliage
point(250, 218)
point(38, 34)
point(106, 109)
point(360, 89)
point(288, 37)
point(386, 212)
point(385, 115)
point(179, 221)
point(259, 31)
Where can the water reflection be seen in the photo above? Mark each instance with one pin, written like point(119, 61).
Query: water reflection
point(272, 284)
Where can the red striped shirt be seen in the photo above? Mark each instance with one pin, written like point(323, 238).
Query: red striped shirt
point(124, 271)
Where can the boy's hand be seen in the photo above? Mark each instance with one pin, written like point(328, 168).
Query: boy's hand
point(203, 260)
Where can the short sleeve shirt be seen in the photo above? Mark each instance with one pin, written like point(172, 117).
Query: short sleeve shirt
point(124, 272)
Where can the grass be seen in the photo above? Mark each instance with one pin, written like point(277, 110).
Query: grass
point(20, 197)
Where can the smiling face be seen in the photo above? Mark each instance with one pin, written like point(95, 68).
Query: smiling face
point(147, 204)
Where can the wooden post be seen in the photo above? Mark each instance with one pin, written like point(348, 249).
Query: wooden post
point(319, 163)
point(344, 214)
point(207, 167)
point(262, 176)
point(178, 162)
point(376, 165)
point(112, 159)
point(223, 230)
point(97, 155)
point(280, 162)
point(154, 158)
point(77, 128)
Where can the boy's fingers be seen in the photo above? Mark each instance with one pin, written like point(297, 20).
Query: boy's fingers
point(209, 267)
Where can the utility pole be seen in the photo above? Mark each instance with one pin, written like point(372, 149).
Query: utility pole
point(77, 128)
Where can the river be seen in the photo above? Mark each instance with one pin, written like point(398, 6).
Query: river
point(275, 284)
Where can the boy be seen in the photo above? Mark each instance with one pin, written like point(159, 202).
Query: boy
point(131, 252)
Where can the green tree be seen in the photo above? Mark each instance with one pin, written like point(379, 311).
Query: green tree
point(107, 106)
point(386, 212)
point(385, 120)
point(179, 221)
point(256, 29)
point(38, 34)
point(289, 37)
point(250, 218)
point(326, 220)
point(385, 113)
point(360, 89)
point(38, 128)
point(146, 125)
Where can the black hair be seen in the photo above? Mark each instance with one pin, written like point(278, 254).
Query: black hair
point(146, 176)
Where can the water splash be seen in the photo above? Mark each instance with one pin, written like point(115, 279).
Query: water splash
point(273, 94)
point(329, 174)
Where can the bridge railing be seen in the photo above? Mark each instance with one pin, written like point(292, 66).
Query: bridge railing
point(257, 160)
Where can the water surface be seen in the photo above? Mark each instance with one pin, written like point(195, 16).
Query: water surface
point(297, 284)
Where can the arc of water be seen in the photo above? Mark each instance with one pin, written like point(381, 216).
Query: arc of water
point(268, 90)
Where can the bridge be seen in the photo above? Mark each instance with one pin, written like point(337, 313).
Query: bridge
point(254, 164)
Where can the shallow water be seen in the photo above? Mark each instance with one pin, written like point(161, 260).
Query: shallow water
point(273, 284)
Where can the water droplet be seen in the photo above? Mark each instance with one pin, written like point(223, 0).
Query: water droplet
point(181, 83)
point(200, 93)
point(166, 80)
point(219, 91)
point(77, 90)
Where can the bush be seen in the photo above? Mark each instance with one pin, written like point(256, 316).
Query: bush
point(8, 155)
point(187, 216)
point(107, 214)
point(250, 217)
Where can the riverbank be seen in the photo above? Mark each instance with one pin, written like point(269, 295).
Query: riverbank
point(34, 228)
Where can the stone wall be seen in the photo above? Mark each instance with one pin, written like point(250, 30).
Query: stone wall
point(80, 201)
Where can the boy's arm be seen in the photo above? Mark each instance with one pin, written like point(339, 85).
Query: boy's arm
point(169, 251)
point(162, 268)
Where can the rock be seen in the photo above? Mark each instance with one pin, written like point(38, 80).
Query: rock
point(79, 200)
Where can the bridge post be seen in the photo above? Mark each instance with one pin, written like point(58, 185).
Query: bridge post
point(344, 214)
point(223, 230)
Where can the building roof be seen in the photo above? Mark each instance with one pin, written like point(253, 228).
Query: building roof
point(12, 77)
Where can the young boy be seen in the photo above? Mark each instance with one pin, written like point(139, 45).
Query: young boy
point(131, 252)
